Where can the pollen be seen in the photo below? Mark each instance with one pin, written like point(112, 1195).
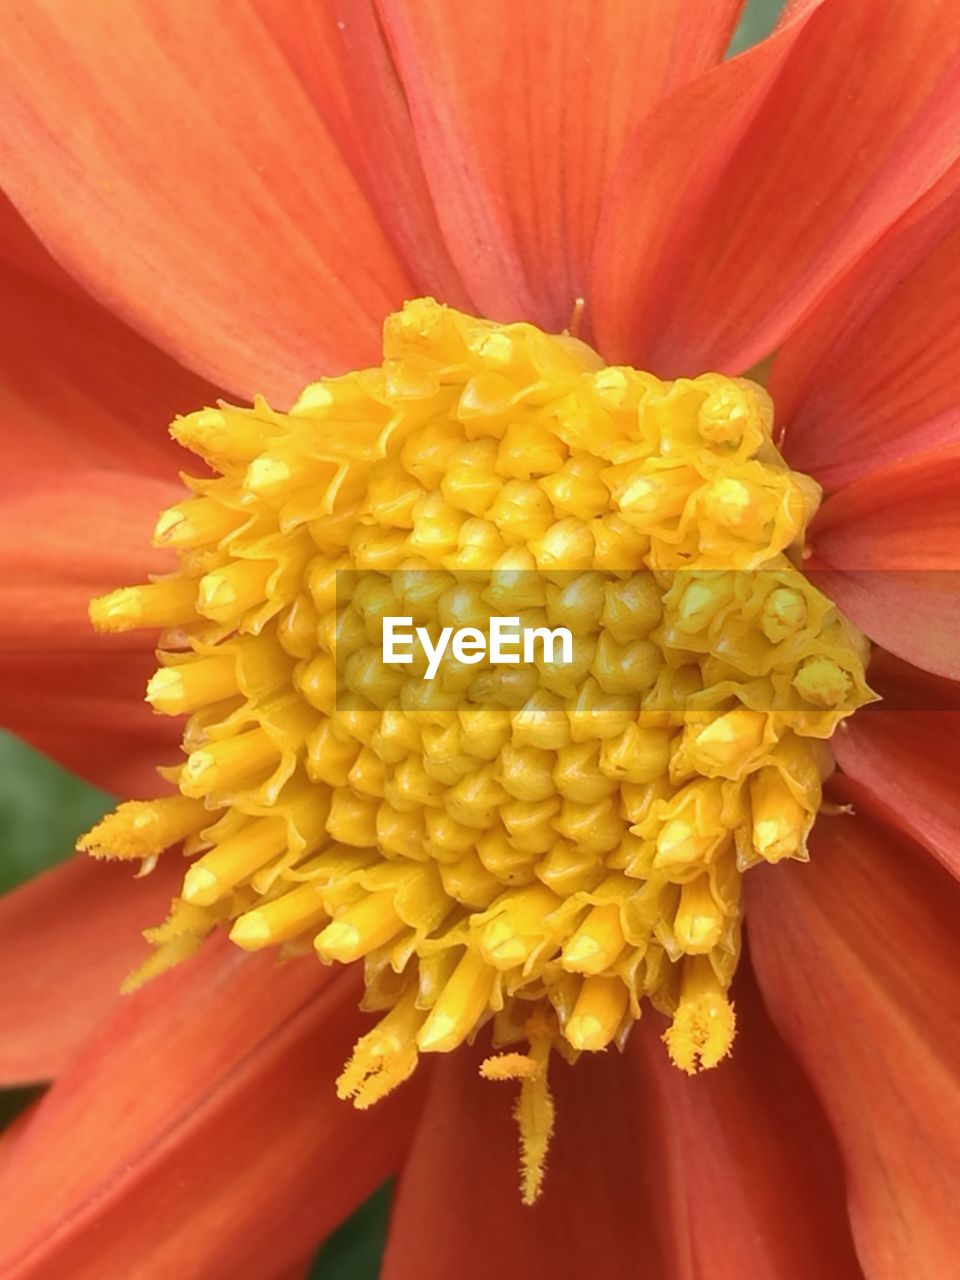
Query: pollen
point(537, 853)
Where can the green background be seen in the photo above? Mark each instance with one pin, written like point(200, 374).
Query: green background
point(43, 809)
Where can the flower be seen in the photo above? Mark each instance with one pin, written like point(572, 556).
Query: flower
point(252, 192)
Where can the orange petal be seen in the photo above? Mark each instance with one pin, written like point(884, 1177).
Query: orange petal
point(340, 55)
point(20, 250)
point(904, 756)
point(78, 388)
point(900, 757)
point(735, 1152)
point(747, 193)
point(888, 550)
point(872, 377)
point(72, 693)
point(200, 1129)
point(298, 1271)
point(858, 957)
point(457, 1209)
point(199, 194)
point(521, 109)
point(10, 1137)
point(904, 687)
point(68, 938)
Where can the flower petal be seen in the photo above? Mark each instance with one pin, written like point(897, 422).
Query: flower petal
point(199, 194)
point(745, 194)
point(11, 1135)
point(872, 376)
point(199, 1132)
point(858, 957)
point(340, 55)
point(746, 1178)
point(457, 1210)
point(68, 938)
point(904, 687)
point(904, 756)
point(78, 388)
point(73, 694)
point(521, 108)
point(887, 550)
point(20, 250)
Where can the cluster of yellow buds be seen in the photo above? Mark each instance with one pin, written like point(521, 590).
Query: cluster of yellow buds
point(539, 846)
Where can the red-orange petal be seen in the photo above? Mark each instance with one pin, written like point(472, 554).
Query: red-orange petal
point(299, 1271)
point(888, 547)
point(457, 1209)
point(78, 388)
point(10, 1137)
point(341, 57)
point(199, 1132)
point(744, 1170)
point(199, 194)
point(68, 938)
point(858, 957)
point(872, 376)
point(904, 756)
point(904, 687)
point(521, 109)
point(76, 695)
point(747, 193)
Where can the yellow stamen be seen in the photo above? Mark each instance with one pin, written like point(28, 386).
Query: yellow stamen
point(278, 921)
point(784, 613)
point(225, 594)
point(822, 682)
point(535, 1114)
point(509, 1066)
point(223, 437)
point(385, 1057)
point(517, 930)
point(168, 603)
point(271, 475)
point(141, 828)
point(371, 923)
point(177, 690)
point(779, 820)
point(216, 873)
point(698, 925)
point(460, 1006)
point(534, 1111)
point(680, 843)
point(179, 937)
point(228, 762)
point(195, 523)
point(727, 741)
point(600, 1009)
point(703, 1026)
point(545, 844)
point(597, 943)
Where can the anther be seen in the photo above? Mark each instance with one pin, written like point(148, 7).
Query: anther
point(169, 602)
point(600, 1009)
point(286, 917)
point(597, 943)
point(371, 923)
point(461, 1004)
point(228, 762)
point(231, 862)
point(177, 690)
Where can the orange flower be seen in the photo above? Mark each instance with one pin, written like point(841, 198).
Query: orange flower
point(242, 195)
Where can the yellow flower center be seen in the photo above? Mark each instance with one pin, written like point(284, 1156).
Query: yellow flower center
point(540, 845)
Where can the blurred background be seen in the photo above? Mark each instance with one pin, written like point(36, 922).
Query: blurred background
point(43, 810)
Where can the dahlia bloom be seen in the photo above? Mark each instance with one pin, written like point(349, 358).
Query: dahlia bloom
point(232, 206)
